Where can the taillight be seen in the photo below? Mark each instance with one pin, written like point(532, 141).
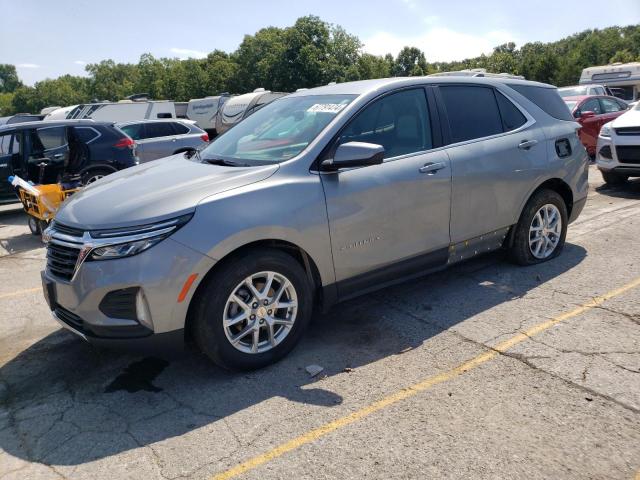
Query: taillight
point(205, 137)
point(125, 142)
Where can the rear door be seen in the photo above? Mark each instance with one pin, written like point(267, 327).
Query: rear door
point(48, 153)
point(158, 140)
point(494, 150)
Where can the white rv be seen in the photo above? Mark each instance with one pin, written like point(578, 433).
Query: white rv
point(623, 79)
point(237, 108)
point(59, 113)
point(123, 111)
point(205, 110)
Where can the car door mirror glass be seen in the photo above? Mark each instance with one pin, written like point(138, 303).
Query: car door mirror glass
point(355, 154)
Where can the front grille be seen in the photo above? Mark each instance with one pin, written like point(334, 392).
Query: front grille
point(69, 318)
point(628, 130)
point(628, 154)
point(61, 260)
point(74, 232)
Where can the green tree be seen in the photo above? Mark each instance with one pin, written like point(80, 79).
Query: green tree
point(9, 80)
point(112, 81)
point(407, 60)
point(6, 104)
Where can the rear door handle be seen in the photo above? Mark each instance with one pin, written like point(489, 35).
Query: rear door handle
point(431, 167)
point(527, 144)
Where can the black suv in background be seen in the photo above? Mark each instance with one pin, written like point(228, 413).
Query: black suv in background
point(44, 152)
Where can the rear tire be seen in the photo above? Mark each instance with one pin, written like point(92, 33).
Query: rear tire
point(214, 309)
point(526, 249)
point(613, 178)
point(93, 175)
point(34, 225)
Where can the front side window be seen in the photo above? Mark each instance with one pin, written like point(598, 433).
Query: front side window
point(472, 112)
point(278, 131)
point(49, 138)
point(399, 122)
point(609, 106)
point(5, 144)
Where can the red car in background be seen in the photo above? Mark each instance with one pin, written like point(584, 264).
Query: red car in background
point(592, 112)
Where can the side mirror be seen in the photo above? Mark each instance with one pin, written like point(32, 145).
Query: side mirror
point(587, 114)
point(354, 154)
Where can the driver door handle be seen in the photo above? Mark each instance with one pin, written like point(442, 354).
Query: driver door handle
point(527, 144)
point(58, 155)
point(431, 167)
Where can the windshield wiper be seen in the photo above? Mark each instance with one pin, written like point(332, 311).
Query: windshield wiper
point(226, 163)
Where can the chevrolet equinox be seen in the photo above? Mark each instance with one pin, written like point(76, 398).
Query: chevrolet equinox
point(320, 196)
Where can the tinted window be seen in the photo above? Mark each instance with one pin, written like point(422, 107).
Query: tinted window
point(50, 138)
point(154, 130)
point(5, 144)
point(591, 105)
point(399, 122)
point(180, 129)
point(546, 98)
point(85, 134)
point(512, 118)
point(135, 131)
point(472, 111)
point(609, 106)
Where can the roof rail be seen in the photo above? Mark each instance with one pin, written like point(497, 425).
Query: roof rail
point(475, 72)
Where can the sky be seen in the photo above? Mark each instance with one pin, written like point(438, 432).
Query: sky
point(48, 38)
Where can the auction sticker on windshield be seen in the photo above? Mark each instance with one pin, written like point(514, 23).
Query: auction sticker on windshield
point(326, 107)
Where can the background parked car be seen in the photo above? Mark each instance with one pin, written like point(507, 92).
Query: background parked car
point(161, 138)
point(583, 90)
point(618, 155)
point(20, 118)
point(592, 112)
point(76, 147)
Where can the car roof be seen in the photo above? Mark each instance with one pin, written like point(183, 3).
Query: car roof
point(361, 87)
point(52, 123)
point(155, 120)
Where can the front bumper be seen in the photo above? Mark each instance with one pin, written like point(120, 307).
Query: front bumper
point(614, 163)
point(160, 273)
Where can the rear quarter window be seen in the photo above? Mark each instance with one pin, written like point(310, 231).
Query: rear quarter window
point(180, 129)
point(547, 99)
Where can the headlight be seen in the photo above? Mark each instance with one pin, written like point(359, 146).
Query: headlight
point(125, 242)
point(605, 131)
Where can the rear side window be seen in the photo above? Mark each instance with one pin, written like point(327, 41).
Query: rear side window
point(512, 118)
point(472, 112)
point(135, 131)
point(154, 130)
point(547, 99)
point(399, 122)
point(53, 137)
point(86, 134)
point(609, 106)
point(180, 129)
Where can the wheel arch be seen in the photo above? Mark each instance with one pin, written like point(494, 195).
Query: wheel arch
point(555, 184)
point(98, 166)
point(298, 253)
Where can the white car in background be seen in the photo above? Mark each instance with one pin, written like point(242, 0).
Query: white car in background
point(618, 149)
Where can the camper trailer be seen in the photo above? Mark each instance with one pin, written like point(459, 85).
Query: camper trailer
point(124, 110)
point(623, 79)
point(238, 108)
point(204, 111)
point(59, 113)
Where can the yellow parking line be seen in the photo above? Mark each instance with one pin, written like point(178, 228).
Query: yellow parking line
point(405, 393)
point(19, 292)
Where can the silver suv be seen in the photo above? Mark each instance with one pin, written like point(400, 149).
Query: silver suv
point(318, 197)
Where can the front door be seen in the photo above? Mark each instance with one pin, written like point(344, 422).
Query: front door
point(389, 220)
point(590, 125)
point(10, 161)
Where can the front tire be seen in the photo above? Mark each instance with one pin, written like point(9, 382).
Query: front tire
point(613, 178)
point(540, 233)
point(253, 310)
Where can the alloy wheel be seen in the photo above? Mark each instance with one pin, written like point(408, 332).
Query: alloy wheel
point(545, 231)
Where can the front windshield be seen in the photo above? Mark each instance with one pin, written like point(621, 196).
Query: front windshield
point(572, 92)
point(277, 132)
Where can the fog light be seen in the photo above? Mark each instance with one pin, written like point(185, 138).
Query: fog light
point(605, 152)
point(142, 310)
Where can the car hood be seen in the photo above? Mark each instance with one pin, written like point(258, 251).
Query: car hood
point(628, 119)
point(153, 191)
